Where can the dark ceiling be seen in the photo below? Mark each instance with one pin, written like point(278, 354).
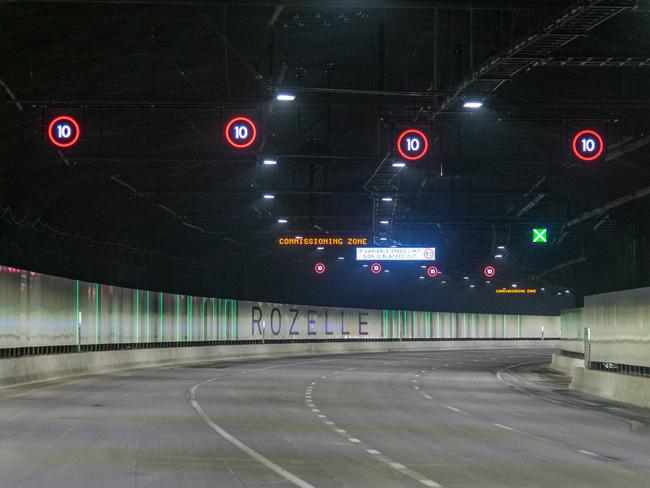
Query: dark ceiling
point(153, 197)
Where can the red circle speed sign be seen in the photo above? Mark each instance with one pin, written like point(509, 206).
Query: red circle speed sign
point(489, 271)
point(412, 144)
point(375, 268)
point(241, 132)
point(63, 131)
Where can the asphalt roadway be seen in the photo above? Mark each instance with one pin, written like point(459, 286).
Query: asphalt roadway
point(464, 418)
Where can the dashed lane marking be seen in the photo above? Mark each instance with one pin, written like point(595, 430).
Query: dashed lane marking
point(504, 427)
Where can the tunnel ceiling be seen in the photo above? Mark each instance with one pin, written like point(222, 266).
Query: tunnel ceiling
point(152, 195)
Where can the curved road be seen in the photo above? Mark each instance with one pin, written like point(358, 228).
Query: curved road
point(366, 420)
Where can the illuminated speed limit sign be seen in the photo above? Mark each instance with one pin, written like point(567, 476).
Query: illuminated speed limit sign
point(319, 268)
point(587, 145)
point(63, 131)
point(375, 268)
point(241, 132)
point(489, 271)
point(412, 144)
point(432, 271)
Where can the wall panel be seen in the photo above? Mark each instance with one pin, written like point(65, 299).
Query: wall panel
point(42, 310)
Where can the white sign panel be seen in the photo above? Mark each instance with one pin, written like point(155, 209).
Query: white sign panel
point(396, 253)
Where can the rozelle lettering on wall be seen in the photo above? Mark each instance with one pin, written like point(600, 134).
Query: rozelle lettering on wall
point(305, 322)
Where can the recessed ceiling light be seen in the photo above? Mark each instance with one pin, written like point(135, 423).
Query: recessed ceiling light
point(285, 97)
point(270, 161)
point(298, 237)
point(471, 286)
point(472, 104)
point(501, 247)
point(443, 282)
point(498, 256)
point(320, 248)
point(282, 221)
point(421, 277)
point(399, 165)
point(383, 222)
point(466, 277)
point(383, 238)
point(269, 196)
point(386, 199)
point(514, 285)
point(423, 266)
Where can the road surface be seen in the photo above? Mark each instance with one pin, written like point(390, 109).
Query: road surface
point(365, 420)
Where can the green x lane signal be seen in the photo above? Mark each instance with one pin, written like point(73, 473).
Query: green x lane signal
point(539, 235)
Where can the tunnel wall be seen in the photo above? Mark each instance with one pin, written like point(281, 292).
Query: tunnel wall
point(620, 327)
point(38, 310)
point(572, 330)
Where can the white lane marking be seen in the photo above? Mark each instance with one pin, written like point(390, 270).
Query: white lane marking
point(423, 371)
point(416, 387)
point(413, 381)
point(323, 377)
point(452, 408)
point(315, 410)
point(417, 375)
point(321, 416)
point(503, 426)
point(447, 364)
point(352, 439)
point(372, 451)
point(336, 372)
point(396, 465)
point(589, 453)
point(241, 446)
point(312, 383)
point(329, 422)
point(340, 431)
point(427, 396)
point(428, 483)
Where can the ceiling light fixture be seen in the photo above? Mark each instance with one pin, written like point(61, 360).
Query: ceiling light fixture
point(285, 97)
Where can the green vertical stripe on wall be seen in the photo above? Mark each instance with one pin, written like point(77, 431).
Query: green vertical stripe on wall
point(490, 325)
point(189, 333)
point(147, 325)
point(234, 320)
point(518, 326)
point(76, 315)
point(178, 318)
point(213, 322)
point(474, 334)
point(96, 313)
point(505, 332)
point(160, 317)
point(202, 318)
point(427, 325)
point(137, 317)
point(219, 318)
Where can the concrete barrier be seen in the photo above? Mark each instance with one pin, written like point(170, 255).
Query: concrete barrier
point(30, 369)
point(619, 387)
point(566, 364)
